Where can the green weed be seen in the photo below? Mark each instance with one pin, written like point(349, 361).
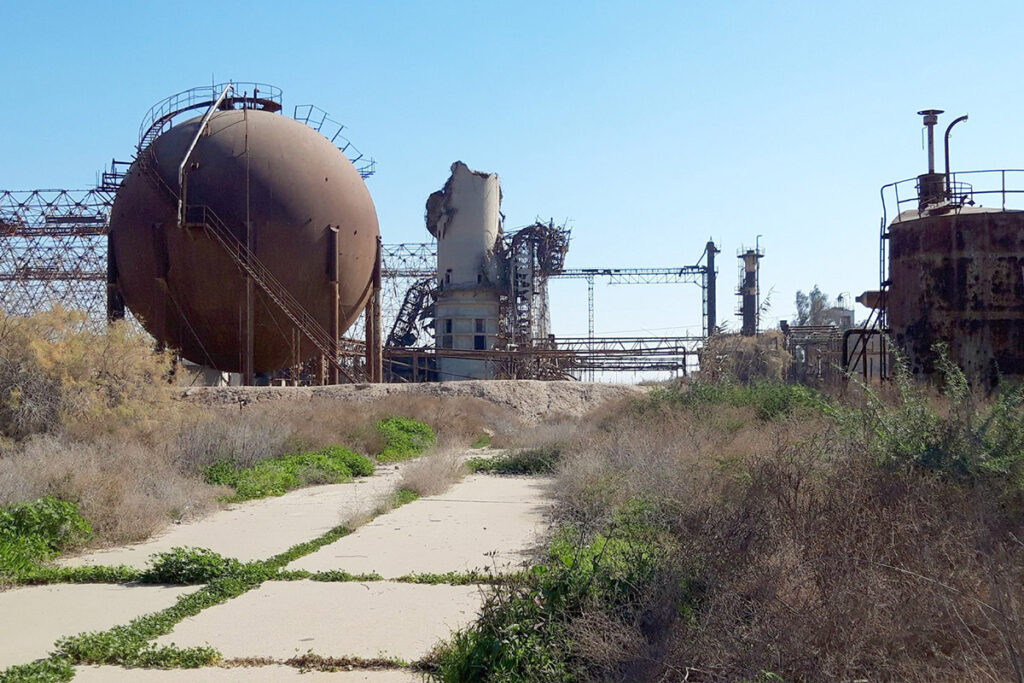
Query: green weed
point(401, 497)
point(470, 578)
point(33, 532)
point(523, 632)
point(277, 476)
point(129, 645)
point(770, 399)
point(482, 441)
point(92, 574)
point(404, 438)
point(49, 670)
point(331, 576)
point(966, 439)
point(527, 461)
point(189, 566)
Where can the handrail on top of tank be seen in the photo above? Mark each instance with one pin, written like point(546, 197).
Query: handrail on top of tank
point(959, 192)
point(318, 119)
point(193, 98)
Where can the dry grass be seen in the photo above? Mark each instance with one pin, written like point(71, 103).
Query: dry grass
point(433, 473)
point(797, 554)
point(239, 437)
point(127, 491)
point(457, 421)
point(557, 433)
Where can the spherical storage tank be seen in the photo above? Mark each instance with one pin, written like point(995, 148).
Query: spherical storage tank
point(271, 180)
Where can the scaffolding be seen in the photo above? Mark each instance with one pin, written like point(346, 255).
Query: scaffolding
point(53, 250)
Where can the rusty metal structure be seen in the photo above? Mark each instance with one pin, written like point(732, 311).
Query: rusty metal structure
point(526, 350)
point(951, 270)
point(211, 247)
point(749, 289)
point(53, 250)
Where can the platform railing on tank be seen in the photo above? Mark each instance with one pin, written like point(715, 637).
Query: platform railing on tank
point(163, 112)
point(966, 188)
point(318, 119)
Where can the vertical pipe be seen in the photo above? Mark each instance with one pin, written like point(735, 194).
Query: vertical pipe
point(931, 149)
point(115, 302)
point(712, 293)
point(590, 319)
point(250, 327)
point(368, 316)
point(332, 264)
point(248, 369)
point(931, 117)
point(949, 129)
point(377, 367)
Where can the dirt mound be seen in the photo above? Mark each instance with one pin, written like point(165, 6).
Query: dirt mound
point(532, 400)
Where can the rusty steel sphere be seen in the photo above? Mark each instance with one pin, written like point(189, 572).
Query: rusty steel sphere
point(292, 188)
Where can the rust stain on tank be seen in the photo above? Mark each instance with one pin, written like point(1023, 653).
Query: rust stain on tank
point(959, 278)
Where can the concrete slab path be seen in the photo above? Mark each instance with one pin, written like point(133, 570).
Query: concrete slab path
point(283, 619)
point(484, 522)
point(258, 529)
point(256, 674)
point(34, 617)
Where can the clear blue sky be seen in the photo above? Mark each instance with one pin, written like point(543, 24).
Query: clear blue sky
point(649, 125)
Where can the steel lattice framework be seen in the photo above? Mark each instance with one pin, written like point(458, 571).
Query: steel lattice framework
point(53, 250)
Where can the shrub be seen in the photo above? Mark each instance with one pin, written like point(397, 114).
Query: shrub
point(404, 438)
point(802, 538)
point(770, 400)
point(57, 370)
point(124, 487)
point(525, 461)
point(960, 437)
point(244, 439)
point(526, 627)
point(187, 566)
point(432, 474)
point(33, 532)
point(277, 476)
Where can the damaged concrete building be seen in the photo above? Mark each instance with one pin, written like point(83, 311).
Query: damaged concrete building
point(465, 218)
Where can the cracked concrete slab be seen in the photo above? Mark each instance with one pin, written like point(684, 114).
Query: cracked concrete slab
point(483, 522)
point(282, 619)
point(257, 674)
point(258, 529)
point(34, 617)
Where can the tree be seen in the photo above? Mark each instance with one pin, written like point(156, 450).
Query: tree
point(810, 308)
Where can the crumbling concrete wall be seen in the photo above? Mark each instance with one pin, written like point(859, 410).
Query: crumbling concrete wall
point(465, 217)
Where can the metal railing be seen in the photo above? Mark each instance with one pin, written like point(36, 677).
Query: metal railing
point(963, 188)
point(318, 119)
point(164, 111)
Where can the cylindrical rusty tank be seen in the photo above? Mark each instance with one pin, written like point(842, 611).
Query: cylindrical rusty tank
point(958, 278)
point(271, 180)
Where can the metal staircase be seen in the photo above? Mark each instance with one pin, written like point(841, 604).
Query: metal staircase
point(877, 319)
